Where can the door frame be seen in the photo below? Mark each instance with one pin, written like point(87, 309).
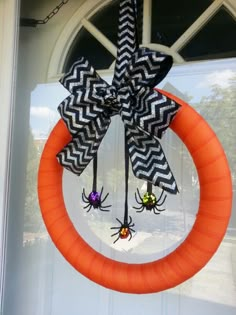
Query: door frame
point(9, 30)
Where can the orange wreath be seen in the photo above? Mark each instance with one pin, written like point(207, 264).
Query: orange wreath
point(188, 258)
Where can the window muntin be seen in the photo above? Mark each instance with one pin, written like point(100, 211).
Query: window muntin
point(170, 19)
point(215, 40)
point(85, 45)
point(211, 36)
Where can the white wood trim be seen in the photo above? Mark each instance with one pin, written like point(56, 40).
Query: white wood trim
point(103, 72)
point(9, 14)
point(100, 37)
point(168, 50)
point(231, 7)
point(197, 25)
point(147, 20)
point(68, 34)
point(158, 47)
point(90, 7)
point(79, 19)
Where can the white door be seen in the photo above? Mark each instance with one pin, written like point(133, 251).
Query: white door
point(37, 279)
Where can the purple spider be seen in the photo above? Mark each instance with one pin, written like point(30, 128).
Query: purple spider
point(94, 199)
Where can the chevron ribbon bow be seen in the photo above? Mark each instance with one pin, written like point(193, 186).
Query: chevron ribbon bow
point(145, 113)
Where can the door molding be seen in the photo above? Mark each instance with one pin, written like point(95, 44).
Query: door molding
point(9, 17)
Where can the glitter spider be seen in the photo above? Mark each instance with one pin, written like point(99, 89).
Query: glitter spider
point(150, 202)
point(94, 199)
point(124, 230)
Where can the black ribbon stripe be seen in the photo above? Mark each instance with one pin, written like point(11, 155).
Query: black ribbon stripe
point(127, 41)
point(146, 113)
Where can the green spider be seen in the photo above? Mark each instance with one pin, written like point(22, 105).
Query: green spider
point(150, 202)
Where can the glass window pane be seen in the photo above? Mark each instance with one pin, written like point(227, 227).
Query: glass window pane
point(105, 20)
point(215, 39)
point(84, 46)
point(34, 264)
point(170, 19)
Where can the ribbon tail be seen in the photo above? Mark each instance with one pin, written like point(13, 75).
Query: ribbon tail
point(127, 42)
point(82, 76)
point(149, 162)
point(77, 154)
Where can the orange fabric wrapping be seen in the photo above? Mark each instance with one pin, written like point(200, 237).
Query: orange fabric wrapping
point(195, 251)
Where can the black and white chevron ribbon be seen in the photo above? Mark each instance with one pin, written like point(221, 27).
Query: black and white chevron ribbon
point(127, 41)
point(146, 113)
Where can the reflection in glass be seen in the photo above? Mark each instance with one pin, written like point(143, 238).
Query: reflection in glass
point(171, 19)
point(44, 283)
point(84, 46)
point(214, 40)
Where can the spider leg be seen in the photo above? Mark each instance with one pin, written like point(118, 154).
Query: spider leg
point(139, 194)
point(115, 232)
point(130, 220)
point(84, 194)
point(89, 208)
point(115, 228)
point(141, 205)
point(116, 239)
point(106, 206)
point(101, 192)
point(132, 230)
point(85, 207)
point(160, 204)
point(84, 197)
point(130, 236)
point(102, 209)
point(142, 208)
point(85, 200)
point(136, 198)
point(160, 199)
point(156, 209)
point(160, 195)
point(160, 210)
point(102, 200)
point(119, 222)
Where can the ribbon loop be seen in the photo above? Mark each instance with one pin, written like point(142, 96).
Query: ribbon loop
point(109, 94)
point(82, 76)
point(146, 113)
point(146, 68)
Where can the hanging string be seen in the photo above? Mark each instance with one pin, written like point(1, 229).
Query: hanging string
point(135, 9)
point(125, 229)
point(149, 187)
point(139, 24)
point(95, 167)
point(95, 199)
point(126, 214)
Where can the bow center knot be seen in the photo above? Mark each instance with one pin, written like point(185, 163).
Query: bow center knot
point(109, 94)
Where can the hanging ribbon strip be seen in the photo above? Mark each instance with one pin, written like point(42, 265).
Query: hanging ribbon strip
point(146, 113)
